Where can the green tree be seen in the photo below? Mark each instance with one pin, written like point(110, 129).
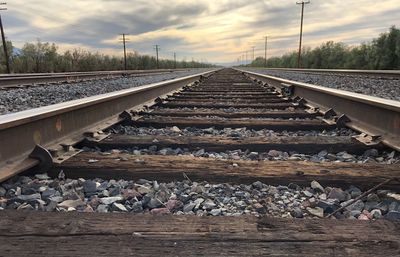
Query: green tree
point(43, 57)
point(38, 57)
point(382, 53)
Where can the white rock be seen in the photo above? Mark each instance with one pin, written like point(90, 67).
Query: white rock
point(42, 176)
point(143, 190)
point(317, 186)
point(110, 200)
point(215, 212)
point(119, 207)
point(71, 209)
point(376, 214)
point(394, 196)
point(71, 203)
point(175, 129)
point(209, 204)
point(317, 211)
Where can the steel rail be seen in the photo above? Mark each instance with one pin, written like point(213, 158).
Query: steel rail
point(13, 80)
point(377, 117)
point(375, 73)
point(26, 136)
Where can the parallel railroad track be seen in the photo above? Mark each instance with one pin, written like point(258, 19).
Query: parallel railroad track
point(223, 99)
point(381, 74)
point(39, 79)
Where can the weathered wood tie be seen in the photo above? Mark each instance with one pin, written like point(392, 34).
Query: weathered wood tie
point(167, 168)
point(98, 234)
point(301, 144)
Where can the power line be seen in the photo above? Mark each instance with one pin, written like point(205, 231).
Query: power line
point(265, 51)
point(124, 42)
point(301, 31)
point(157, 47)
point(3, 38)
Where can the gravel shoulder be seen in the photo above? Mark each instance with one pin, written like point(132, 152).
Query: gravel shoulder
point(16, 100)
point(384, 88)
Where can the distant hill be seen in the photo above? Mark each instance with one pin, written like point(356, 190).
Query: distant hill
point(225, 64)
point(16, 51)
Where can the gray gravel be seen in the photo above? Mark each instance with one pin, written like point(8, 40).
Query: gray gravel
point(384, 88)
point(369, 156)
point(232, 132)
point(193, 198)
point(16, 100)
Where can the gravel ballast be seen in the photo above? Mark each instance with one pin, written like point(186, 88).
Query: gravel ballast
point(15, 100)
point(194, 198)
point(369, 156)
point(384, 88)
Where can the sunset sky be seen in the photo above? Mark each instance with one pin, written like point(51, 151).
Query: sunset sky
point(209, 30)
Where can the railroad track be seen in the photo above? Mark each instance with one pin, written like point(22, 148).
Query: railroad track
point(11, 81)
point(187, 129)
point(381, 74)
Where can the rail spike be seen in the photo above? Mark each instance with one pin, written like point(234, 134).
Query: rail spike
point(329, 113)
point(43, 156)
point(287, 90)
point(342, 120)
point(125, 116)
point(158, 100)
point(302, 101)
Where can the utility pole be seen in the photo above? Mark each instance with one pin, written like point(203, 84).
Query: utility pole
point(157, 47)
point(265, 51)
point(3, 38)
point(174, 60)
point(253, 53)
point(123, 40)
point(245, 62)
point(301, 31)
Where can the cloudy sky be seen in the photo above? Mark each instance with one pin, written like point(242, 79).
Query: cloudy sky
point(206, 30)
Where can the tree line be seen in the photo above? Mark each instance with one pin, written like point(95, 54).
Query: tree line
point(382, 53)
point(45, 57)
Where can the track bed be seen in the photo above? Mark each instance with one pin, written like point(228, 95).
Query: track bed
point(226, 166)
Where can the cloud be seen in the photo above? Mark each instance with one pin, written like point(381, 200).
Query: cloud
point(219, 31)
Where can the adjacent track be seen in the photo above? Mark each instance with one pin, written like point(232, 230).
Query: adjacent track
point(10, 81)
point(385, 74)
point(225, 98)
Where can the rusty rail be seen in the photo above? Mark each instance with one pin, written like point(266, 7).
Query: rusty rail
point(377, 118)
point(25, 136)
